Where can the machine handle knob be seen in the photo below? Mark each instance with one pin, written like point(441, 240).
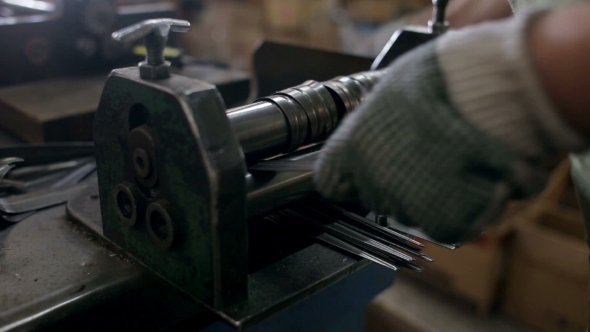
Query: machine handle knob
point(156, 33)
point(438, 24)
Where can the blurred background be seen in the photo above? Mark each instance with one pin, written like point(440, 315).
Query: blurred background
point(529, 272)
point(224, 31)
point(227, 30)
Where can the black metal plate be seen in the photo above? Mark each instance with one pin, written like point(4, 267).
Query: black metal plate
point(279, 66)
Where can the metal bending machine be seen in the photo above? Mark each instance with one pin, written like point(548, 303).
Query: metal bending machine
point(220, 204)
point(172, 166)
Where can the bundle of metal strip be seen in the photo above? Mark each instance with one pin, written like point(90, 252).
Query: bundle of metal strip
point(334, 226)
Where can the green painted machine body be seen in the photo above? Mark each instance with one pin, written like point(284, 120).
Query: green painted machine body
point(172, 183)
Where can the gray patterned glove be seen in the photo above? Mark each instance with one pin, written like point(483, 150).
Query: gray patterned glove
point(453, 130)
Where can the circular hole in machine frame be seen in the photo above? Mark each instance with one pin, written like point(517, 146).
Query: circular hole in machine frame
point(160, 225)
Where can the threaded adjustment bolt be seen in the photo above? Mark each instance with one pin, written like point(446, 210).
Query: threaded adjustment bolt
point(155, 33)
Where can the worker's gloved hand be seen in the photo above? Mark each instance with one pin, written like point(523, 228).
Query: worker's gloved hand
point(453, 130)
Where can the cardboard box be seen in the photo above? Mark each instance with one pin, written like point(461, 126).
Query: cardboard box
point(547, 280)
point(294, 14)
point(560, 190)
point(476, 272)
point(375, 11)
point(472, 272)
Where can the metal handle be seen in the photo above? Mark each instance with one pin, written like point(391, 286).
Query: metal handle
point(156, 33)
point(438, 24)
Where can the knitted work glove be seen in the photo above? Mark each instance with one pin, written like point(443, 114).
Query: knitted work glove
point(453, 130)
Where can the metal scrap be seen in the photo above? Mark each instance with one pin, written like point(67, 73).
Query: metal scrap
point(36, 186)
point(38, 200)
point(46, 168)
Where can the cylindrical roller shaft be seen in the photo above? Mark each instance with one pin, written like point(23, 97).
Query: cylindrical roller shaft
point(261, 128)
point(266, 193)
point(270, 190)
point(296, 117)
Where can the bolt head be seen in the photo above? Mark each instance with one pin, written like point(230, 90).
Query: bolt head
point(142, 151)
point(160, 225)
point(141, 162)
point(126, 205)
point(154, 72)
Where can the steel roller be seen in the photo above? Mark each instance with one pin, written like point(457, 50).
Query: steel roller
point(287, 121)
point(298, 116)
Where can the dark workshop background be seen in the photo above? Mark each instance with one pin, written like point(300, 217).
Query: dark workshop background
point(528, 272)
